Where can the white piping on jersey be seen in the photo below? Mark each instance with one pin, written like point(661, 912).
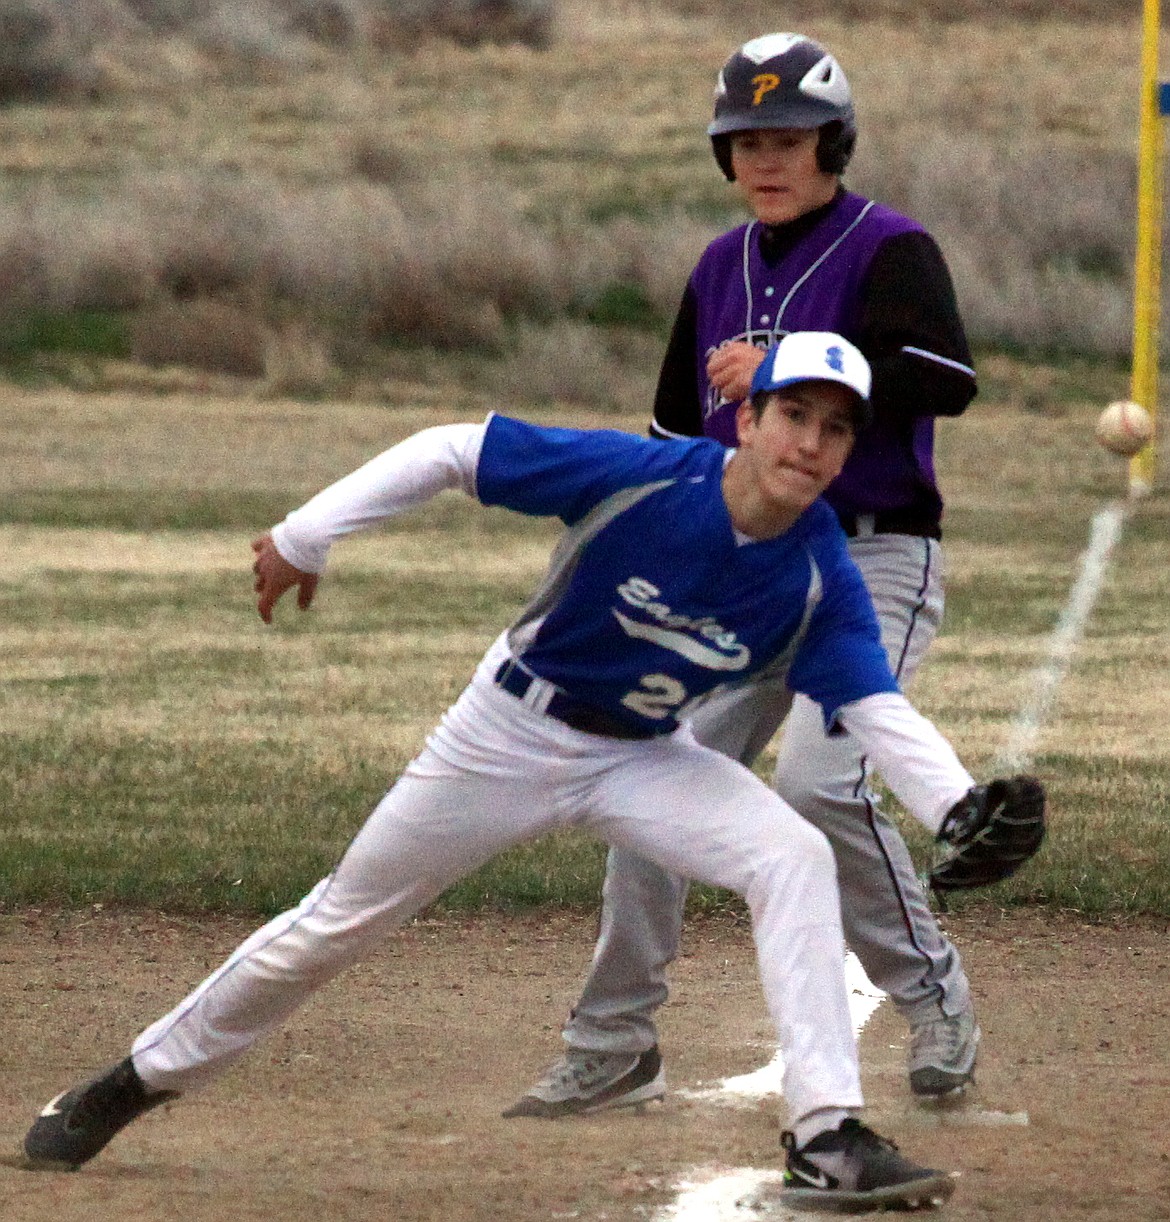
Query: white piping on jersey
point(683, 643)
point(941, 360)
point(747, 273)
point(812, 600)
point(564, 561)
point(747, 279)
point(656, 430)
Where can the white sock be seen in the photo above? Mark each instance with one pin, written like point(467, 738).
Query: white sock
point(807, 1127)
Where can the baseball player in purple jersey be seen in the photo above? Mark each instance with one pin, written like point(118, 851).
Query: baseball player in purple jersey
point(685, 569)
point(813, 256)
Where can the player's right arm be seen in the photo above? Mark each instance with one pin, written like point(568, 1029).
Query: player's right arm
point(294, 552)
point(275, 576)
point(731, 368)
point(398, 479)
point(677, 410)
point(549, 472)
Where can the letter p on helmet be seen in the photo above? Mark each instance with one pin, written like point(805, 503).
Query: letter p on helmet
point(764, 82)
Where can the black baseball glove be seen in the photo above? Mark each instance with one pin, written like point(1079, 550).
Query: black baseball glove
point(990, 832)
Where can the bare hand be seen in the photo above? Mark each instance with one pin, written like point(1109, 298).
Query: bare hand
point(731, 368)
point(274, 575)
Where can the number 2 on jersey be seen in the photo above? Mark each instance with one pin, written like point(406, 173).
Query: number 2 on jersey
point(658, 697)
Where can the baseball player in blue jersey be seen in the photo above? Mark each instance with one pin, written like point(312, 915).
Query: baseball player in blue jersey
point(685, 569)
point(813, 256)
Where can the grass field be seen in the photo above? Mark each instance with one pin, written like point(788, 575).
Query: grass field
point(518, 224)
point(356, 214)
point(159, 746)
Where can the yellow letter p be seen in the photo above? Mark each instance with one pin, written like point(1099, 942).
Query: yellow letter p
point(764, 83)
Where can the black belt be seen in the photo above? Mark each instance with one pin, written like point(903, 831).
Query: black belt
point(891, 522)
point(574, 713)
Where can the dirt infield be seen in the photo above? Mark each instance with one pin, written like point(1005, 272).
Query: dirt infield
point(381, 1098)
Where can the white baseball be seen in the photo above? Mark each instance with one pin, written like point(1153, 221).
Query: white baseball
point(1124, 427)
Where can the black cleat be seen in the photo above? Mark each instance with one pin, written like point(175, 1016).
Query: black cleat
point(852, 1168)
point(580, 1083)
point(78, 1123)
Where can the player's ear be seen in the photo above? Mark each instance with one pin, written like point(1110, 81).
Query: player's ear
point(746, 420)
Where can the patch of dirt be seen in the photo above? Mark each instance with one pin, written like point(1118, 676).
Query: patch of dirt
point(381, 1098)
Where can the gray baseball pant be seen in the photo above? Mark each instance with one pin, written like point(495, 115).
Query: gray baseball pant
point(887, 919)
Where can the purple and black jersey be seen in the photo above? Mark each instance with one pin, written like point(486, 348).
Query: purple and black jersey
point(859, 268)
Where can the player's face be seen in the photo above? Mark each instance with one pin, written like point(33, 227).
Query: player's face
point(798, 445)
point(777, 173)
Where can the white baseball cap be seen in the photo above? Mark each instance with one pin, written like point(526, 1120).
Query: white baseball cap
point(816, 356)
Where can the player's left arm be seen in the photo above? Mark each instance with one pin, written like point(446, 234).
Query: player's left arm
point(911, 332)
point(992, 829)
point(988, 831)
point(842, 665)
point(911, 755)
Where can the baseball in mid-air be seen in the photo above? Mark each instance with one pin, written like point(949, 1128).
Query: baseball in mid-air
point(1124, 427)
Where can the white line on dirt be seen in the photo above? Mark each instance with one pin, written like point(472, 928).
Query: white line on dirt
point(713, 1195)
point(720, 1194)
point(1094, 566)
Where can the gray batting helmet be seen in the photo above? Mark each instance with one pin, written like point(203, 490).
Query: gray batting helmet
point(784, 80)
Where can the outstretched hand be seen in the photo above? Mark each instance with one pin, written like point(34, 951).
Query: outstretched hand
point(274, 575)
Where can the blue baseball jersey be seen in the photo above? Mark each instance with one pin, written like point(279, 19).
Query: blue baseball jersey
point(651, 599)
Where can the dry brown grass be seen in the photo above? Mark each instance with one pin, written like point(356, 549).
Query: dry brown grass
point(210, 335)
point(1024, 12)
point(212, 440)
point(146, 633)
point(1022, 487)
point(451, 196)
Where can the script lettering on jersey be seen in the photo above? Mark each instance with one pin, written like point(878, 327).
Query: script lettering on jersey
point(681, 633)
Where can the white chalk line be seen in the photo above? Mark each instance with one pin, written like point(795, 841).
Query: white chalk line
point(720, 1194)
point(1020, 745)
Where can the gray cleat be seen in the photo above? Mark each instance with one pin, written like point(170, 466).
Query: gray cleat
point(582, 1082)
point(942, 1056)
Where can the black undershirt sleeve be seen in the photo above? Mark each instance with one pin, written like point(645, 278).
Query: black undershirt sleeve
point(908, 301)
point(677, 411)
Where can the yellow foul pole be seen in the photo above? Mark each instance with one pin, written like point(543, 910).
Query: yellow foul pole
point(1148, 258)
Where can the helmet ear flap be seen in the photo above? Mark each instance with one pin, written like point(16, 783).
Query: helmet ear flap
point(721, 147)
point(835, 145)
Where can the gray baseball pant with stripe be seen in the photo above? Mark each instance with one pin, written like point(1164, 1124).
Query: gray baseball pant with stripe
point(887, 920)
